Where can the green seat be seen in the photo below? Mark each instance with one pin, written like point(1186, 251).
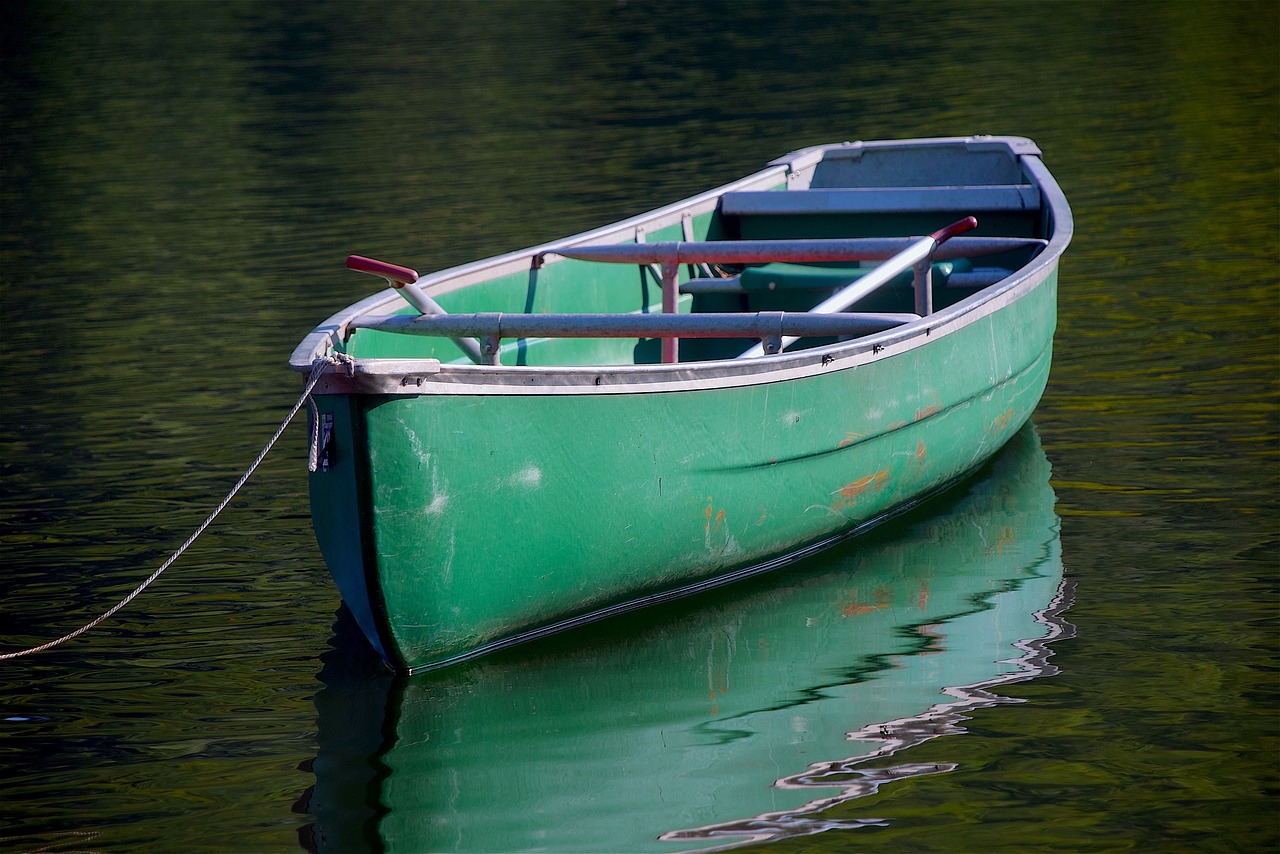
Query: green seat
point(787, 277)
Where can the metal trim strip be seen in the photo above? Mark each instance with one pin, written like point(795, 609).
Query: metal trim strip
point(400, 377)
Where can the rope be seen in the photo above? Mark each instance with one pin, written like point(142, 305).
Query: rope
point(317, 371)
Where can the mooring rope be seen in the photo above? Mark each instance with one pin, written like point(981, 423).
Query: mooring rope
point(317, 371)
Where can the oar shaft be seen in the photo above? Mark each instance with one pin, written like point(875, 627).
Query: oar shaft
point(919, 251)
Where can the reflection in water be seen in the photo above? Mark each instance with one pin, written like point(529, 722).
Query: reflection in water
point(890, 738)
point(732, 717)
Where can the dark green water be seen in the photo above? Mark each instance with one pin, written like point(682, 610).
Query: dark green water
point(179, 184)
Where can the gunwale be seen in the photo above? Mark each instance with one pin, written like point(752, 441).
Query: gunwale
point(387, 376)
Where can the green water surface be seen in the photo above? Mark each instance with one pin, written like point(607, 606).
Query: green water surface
point(179, 184)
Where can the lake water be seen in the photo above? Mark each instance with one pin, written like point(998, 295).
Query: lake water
point(1076, 650)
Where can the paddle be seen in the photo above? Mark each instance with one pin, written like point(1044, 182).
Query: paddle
point(919, 251)
point(405, 280)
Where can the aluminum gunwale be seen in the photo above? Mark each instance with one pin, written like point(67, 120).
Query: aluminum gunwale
point(810, 156)
point(401, 376)
point(429, 376)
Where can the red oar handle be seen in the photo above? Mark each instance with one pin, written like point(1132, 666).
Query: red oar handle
point(960, 226)
point(393, 273)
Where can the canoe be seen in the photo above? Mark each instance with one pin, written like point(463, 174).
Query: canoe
point(741, 715)
point(697, 394)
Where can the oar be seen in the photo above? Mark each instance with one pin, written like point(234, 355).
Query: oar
point(859, 288)
point(405, 280)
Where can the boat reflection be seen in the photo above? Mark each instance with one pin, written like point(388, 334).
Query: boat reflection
point(735, 716)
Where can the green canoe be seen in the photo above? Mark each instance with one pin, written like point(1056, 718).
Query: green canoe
point(700, 393)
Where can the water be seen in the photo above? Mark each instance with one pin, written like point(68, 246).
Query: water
point(179, 184)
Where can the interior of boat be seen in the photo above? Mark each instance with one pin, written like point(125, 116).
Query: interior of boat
point(858, 202)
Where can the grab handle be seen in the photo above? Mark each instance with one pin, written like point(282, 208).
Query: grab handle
point(405, 280)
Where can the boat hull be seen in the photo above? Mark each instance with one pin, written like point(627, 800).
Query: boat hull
point(485, 519)
point(466, 507)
